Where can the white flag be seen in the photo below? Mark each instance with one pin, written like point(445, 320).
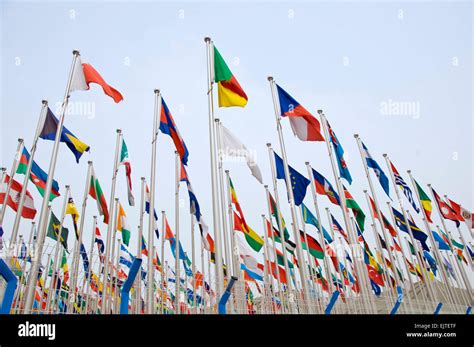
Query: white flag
point(232, 147)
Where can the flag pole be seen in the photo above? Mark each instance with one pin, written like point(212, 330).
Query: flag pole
point(44, 208)
point(340, 190)
point(225, 229)
point(278, 279)
point(281, 228)
point(21, 202)
point(114, 305)
point(78, 245)
point(111, 218)
point(151, 216)
point(430, 234)
point(16, 160)
point(310, 299)
point(16, 302)
point(108, 275)
point(379, 214)
point(291, 199)
point(405, 217)
point(91, 262)
point(138, 280)
point(163, 268)
point(176, 226)
point(57, 247)
point(193, 257)
point(268, 283)
point(385, 273)
point(214, 181)
point(234, 264)
point(412, 287)
point(320, 226)
point(203, 308)
point(364, 276)
point(469, 260)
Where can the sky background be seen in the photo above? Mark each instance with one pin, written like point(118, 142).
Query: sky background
point(347, 58)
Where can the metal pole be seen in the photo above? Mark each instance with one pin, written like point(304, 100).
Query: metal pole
point(214, 185)
point(176, 226)
point(156, 120)
point(280, 226)
point(112, 216)
point(30, 294)
point(77, 248)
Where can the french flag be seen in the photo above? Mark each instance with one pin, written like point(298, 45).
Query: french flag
point(305, 126)
point(147, 209)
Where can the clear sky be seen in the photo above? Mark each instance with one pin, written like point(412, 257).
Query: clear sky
point(357, 61)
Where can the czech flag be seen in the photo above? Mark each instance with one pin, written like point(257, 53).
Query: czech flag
point(305, 126)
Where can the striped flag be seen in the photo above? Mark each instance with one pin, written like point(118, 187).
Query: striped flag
point(399, 181)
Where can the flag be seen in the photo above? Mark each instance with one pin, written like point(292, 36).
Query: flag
point(229, 91)
point(299, 183)
point(431, 261)
point(253, 239)
point(53, 230)
point(144, 249)
point(337, 227)
point(442, 245)
point(339, 151)
point(417, 232)
point(371, 163)
point(232, 147)
point(48, 132)
point(280, 258)
point(147, 210)
point(273, 233)
point(37, 175)
point(85, 260)
point(449, 268)
point(399, 181)
point(356, 210)
point(64, 267)
point(456, 208)
point(72, 210)
point(168, 127)
point(304, 125)
point(1, 238)
point(13, 199)
point(425, 202)
point(123, 226)
point(313, 246)
point(468, 217)
point(385, 221)
point(309, 218)
point(446, 210)
point(125, 160)
point(95, 191)
point(85, 74)
point(323, 187)
point(249, 262)
point(278, 216)
point(100, 244)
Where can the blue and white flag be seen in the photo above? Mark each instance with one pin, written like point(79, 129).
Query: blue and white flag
point(371, 163)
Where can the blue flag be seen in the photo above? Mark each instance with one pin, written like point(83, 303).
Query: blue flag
point(339, 151)
point(417, 232)
point(383, 179)
point(442, 245)
point(299, 183)
point(310, 219)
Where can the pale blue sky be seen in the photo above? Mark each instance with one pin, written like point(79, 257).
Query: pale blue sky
point(346, 58)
